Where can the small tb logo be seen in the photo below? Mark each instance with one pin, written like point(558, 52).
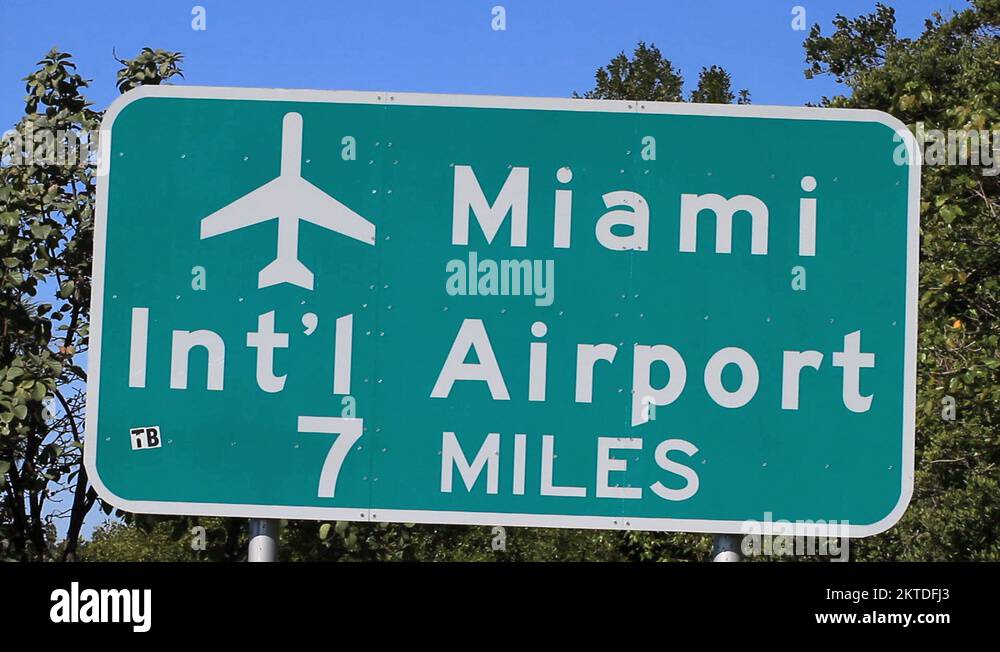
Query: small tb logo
point(146, 437)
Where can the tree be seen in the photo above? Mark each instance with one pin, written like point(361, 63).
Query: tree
point(646, 76)
point(116, 541)
point(856, 46)
point(715, 87)
point(947, 79)
point(167, 538)
point(47, 189)
point(650, 77)
point(343, 541)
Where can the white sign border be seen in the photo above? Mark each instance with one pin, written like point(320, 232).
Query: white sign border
point(914, 161)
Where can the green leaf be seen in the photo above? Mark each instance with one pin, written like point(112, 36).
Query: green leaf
point(41, 231)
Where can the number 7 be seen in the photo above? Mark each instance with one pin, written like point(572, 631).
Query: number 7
point(349, 430)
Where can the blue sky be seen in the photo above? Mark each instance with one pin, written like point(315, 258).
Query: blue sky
point(549, 47)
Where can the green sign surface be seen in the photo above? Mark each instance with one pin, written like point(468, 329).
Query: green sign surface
point(503, 311)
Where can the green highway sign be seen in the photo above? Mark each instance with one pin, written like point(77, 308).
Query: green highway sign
point(504, 311)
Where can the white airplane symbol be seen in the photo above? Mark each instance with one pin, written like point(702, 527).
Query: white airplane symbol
point(289, 198)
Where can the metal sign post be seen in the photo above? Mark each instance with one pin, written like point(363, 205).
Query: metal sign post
point(726, 547)
point(263, 540)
